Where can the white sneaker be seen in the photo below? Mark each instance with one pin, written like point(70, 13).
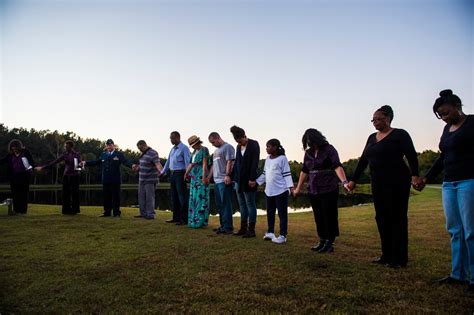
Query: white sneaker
point(279, 240)
point(269, 236)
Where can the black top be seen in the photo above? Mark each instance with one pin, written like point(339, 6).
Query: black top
point(457, 153)
point(246, 166)
point(385, 159)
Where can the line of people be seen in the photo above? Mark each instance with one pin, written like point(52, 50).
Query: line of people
point(236, 169)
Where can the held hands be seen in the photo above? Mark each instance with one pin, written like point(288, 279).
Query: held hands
point(295, 191)
point(349, 187)
point(418, 183)
point(252, 184)
point(205, 181)
point(82, 163)
point(227, 180)
point(135, 168)
point(38, 168)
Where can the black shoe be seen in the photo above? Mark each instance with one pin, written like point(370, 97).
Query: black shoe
point(450, 280)
point(138, 216)
point(396, 265)
point(116, 215)
point(381, 261)
point(104, 215)
point(327, 248)
point(171, 221)
point(318, 246)
point(179, 223)
point(225, 232)
point(470, 287)
point(249, 234)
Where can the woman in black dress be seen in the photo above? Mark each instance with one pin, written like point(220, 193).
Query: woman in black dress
point(390, 177)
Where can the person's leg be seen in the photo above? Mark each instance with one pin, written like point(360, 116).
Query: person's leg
point(75, 199)
point(282, 206)
point(251, 201)
point(315, 201)
point(66, 195)
point(455, 228)
point(382, 204)
point(181, 191)
point(116, 199)
point(150, 201)
point(227, 205)
point(399, 224)
point(107, 188)
point(244, 212)
point(20, 187)
point(271, 210)
point(175, 205)
point(329, 219)
point(142, 199)
point(219, 196)
point(465, 198)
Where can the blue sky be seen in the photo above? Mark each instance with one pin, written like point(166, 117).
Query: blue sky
point(131, 70)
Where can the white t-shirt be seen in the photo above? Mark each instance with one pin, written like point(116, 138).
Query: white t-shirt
point(276, 175)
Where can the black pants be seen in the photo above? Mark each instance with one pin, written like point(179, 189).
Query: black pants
point(326, 214)
point(391, 209)
point(20, 185)
point(279, 202)
point(71, 195)
point(178, 197)
point(111, 199)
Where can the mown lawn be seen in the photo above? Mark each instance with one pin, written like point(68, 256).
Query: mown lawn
point(84, 264)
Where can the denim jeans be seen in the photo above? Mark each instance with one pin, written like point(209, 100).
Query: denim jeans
point(458, 203)
point(247, 204)
point(224, 205)
point(178, 197)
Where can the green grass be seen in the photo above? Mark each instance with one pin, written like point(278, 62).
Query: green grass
point(60, 264)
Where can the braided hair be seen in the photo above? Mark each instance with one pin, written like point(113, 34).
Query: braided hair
point(276, 143)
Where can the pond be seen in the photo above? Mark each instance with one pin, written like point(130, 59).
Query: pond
point(129, 198)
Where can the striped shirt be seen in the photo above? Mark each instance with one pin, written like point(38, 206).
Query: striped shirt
point(148, 173)
point(276, 175)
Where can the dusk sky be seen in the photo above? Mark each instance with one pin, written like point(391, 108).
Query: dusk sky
point(131, 70)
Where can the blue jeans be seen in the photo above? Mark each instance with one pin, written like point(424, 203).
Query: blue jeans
point(178, 197)
point(224, 205)
point(247, 204)
point(458, 203)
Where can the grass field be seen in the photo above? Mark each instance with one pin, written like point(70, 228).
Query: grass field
point(61, 264)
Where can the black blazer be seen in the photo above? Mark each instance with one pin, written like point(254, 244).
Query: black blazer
point(246, 165)
point(8, 161)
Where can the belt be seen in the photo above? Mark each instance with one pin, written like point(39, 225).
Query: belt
point(177, 171)
point(321, 171)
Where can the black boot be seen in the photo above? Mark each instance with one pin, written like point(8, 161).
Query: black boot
point(318, 246)
point(243, 228)
point(250, 232)
point(327, 248)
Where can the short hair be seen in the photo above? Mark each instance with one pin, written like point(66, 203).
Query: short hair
point(15, 143)
point(446, 97)
point(387, 111)
point(69, 143)
point(175, 133)
point(213, 135)
point(237, 132)
point(141, 142)
point(313, 138)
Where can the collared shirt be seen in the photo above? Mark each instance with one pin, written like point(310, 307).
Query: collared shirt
point(178, 159)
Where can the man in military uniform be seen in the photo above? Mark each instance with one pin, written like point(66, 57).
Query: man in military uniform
point(110, 160)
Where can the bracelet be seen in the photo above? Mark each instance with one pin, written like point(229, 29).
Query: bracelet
point(345, 182)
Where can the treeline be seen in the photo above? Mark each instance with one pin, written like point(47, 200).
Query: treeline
point(46, 145)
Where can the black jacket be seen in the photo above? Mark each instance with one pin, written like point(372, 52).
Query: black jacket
point(246, 165)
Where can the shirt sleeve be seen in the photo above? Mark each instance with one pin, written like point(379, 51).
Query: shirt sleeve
point(230, 153)
point(261, 178)
point(54, 162)
point(362, 164)
point(286, 172)
point(167, 165)
point(95, 162)
point(186, 155)
point(334, 157)
point(436, 168)
point(124, 161)
point(410, 153)
point(305, 168)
